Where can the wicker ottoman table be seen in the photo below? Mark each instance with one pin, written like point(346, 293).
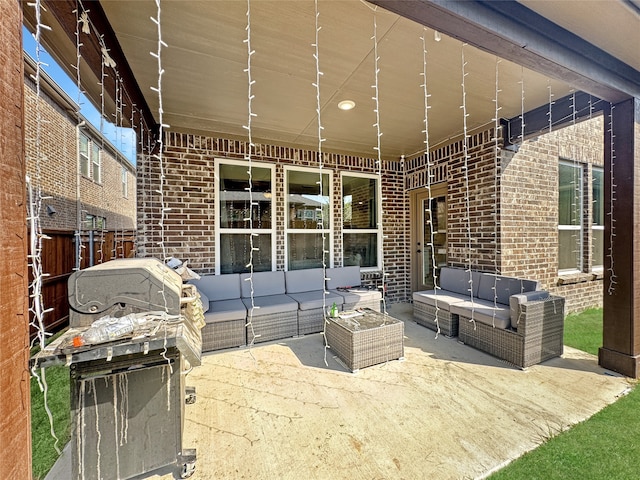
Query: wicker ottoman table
point(365, 338)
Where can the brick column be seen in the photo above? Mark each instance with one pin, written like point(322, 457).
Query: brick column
point(15, 406)
point(621, 335)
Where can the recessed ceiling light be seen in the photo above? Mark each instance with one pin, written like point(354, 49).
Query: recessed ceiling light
point(346, 104)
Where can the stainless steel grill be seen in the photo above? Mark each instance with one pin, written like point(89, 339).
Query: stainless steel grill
point(128, 394)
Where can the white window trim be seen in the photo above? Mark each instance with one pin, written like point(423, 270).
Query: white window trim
point(217, 228)
point(378, 228)
point(287, 230)
point(577, 228)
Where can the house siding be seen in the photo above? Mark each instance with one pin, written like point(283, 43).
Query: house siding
point(55, 172)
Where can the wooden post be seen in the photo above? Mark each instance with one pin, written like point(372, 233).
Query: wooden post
point(15, 401)
point(621, 334)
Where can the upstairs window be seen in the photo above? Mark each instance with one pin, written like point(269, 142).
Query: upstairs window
point(125, 180)
point(89, 153)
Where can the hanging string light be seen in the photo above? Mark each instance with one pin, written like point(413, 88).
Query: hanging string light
point(465, 169)
point(496, 192)
point(378, 149)
point(36, 236)
point(321, 139)
point(612, 200)
point(81, 19)
point(248, 157)
point(431, 244)
point(161, 127)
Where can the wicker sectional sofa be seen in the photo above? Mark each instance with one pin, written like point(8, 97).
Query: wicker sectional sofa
point(243, 308)
point(507, 317)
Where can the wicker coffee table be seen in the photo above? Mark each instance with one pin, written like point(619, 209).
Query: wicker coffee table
point(365, 337)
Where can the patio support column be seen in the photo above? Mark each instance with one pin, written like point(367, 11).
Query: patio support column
point(15, 403)
point(621, 331)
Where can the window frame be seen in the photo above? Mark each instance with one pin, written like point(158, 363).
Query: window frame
point(580, 228)
point(219, 230)
point(90, 163)
point(329, 232)
point(378, 220)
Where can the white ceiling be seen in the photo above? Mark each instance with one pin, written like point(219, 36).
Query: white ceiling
point(205, 86)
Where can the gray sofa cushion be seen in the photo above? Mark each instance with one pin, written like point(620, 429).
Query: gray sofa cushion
point(308, 280)
point(356, 295)
point(504, 287)
point(443, 298)
point(516, 300)
point(498, 315)
point(271, 304)
point(457, 280)
point(343, 277)
point(219, 287)
point(264, 284)
point(312, 300)
point(225, 310)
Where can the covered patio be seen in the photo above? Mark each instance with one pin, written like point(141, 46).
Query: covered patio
point(277, 411)
point(446, 411)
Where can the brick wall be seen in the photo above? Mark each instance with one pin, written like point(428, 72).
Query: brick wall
point(509, 200)
point(521, 191)
point(189, 193)
point(55, 171)
point(529, 217)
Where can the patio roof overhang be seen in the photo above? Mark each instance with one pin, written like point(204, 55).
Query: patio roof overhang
point(204, 84)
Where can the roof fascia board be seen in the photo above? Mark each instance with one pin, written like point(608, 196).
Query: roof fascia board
point(564, 111)
point(513, 32)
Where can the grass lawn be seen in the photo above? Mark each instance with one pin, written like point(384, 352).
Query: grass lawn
point(604, 446)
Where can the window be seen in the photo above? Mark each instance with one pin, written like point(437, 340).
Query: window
point(95, 162)
point(569, 217)
point(84, 155)
point(89, 153)
point(234, 207)
point(93, 222)
point(360, 221)
point(308, 219)
point(125, 179)
point(597, 218)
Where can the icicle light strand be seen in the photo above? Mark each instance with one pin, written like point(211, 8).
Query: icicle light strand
point(248, 157)
point(36, 235)
point(612, 199)
point(431, 245)
point(465, 168)
point(321, 139)
point(496, 192)
point(378, 149)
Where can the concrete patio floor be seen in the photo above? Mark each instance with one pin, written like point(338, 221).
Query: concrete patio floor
point(447, 411)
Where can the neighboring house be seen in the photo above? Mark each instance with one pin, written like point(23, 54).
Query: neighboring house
point(88, 188)
point(536, 212)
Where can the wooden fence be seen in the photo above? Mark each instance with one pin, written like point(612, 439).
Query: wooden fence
point(58, 260)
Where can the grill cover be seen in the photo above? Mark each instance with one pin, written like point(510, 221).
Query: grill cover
point(124, 285)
